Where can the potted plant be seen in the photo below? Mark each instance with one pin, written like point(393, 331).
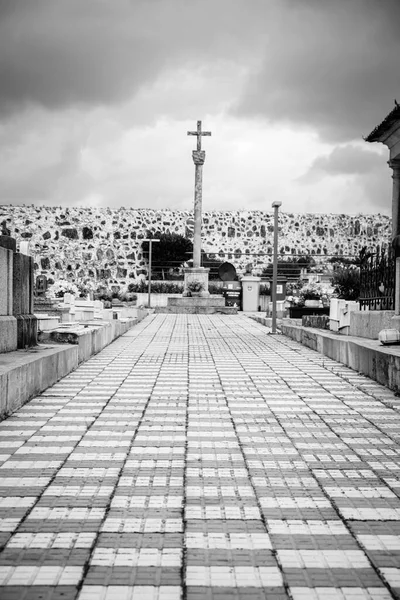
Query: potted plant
point(311, 293)
point(195, 287)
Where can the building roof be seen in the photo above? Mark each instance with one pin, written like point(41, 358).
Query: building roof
point(386, 124)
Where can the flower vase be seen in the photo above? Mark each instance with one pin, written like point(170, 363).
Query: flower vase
point(312, 303)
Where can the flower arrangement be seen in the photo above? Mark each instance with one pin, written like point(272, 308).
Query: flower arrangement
point(312, 291)
point(61, 287)
point(195, 286)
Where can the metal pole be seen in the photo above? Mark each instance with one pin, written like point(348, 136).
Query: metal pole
point(275, 206)
point(149, 289)
point(150, 240)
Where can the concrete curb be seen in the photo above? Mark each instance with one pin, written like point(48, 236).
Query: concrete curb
point(24, 374)
point(369, 357)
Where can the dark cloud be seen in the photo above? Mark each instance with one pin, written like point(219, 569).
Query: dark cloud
point(331, 66)
point(62, 53)
point(345, 160)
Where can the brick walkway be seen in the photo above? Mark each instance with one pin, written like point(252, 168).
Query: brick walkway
point(199, 458)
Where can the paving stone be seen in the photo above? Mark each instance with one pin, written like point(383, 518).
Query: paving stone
point(199, 457)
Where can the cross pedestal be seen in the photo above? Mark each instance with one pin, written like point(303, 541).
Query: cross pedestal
point(196, 274)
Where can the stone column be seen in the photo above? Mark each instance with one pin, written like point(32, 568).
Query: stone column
point(395, 165)
point(198, 159)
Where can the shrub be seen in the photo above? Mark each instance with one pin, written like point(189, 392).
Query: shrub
point(215, 288)
point(346, 282)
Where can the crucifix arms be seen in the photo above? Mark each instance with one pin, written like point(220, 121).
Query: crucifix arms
point(199, 133)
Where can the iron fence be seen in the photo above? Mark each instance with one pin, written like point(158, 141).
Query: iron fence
point(377, 279)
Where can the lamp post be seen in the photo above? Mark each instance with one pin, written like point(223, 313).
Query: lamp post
point(150, 240)
point(275, 206)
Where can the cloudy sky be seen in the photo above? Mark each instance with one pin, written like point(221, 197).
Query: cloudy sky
point(97, 96)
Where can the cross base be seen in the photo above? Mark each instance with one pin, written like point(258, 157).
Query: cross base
point(196, 274)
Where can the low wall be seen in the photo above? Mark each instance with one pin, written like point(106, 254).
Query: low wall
point(25, 374)
point(381, 363)
point(368, 323)
point(155, 299)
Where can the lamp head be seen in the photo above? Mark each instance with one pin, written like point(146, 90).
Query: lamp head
point(276, 204)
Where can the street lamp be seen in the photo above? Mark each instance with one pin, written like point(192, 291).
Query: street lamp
point(275, 206)
point(150, 240)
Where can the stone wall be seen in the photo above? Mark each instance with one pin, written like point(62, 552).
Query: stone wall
point(104, 244)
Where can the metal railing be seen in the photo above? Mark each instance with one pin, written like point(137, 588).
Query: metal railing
point(377, 279)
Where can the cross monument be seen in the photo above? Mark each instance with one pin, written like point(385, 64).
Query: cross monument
point(199, 156)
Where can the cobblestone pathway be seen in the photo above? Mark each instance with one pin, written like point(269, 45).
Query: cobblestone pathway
point(199, 458)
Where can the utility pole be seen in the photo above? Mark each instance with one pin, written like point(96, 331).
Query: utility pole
point(275, 206)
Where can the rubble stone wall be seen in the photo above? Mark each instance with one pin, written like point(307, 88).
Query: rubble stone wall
point(105, 244)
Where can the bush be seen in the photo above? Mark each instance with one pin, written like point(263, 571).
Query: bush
point(265, 289)
point(157, 287)
point(346, 282)
point(214, 288)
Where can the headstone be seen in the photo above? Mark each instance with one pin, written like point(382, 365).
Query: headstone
point(8, 323)
point(23, 288)
point(41, 285)
point(69, 299)
point(24, 248)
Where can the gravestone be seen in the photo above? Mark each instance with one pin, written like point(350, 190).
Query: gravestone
point(41, 285)
point(23, 291)
point(8, 323)
point(18, 325)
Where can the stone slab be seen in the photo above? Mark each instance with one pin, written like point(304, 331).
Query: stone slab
point(188, 301)
point(368, 324)
point(196, 310)
point(90, 338)
point(26, 331)
point(8, 334)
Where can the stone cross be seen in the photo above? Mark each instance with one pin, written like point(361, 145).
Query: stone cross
point(198, 158)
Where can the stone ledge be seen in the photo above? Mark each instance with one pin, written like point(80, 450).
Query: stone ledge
point(368, 357)
point(91, 337)
point(189, 301)
point(24, 374)
point(196, 310)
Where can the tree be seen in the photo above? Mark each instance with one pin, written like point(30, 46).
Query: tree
point(168, 254)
